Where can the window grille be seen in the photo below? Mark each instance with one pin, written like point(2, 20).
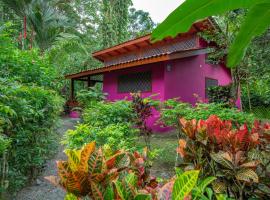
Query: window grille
point(209, 82)
point(137, 82)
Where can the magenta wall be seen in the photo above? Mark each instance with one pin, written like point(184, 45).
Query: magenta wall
point(110, 82)
point(187, 77)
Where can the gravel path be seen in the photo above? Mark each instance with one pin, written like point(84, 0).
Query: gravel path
point(42, 189)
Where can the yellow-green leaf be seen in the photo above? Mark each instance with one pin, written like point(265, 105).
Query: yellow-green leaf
point(184, 184)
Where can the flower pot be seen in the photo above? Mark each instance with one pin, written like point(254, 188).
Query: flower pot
point(74, 114)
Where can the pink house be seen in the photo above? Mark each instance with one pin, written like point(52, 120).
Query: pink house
point(170, 68)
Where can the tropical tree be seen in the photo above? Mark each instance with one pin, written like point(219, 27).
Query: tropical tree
point(114, 27)
point(256, 21)
point(43, 21)
point(140, 23)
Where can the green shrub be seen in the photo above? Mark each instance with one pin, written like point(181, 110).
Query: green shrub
point(29, 114)
point(107, 123)
point(29, 109)
point(114, 136)
point(93, 94)
point(101, 114)
point(220, 94)
point(173, 110)
point(25, 66)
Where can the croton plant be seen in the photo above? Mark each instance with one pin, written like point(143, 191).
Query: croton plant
point(122, 176)
point(238, 156)
point(89, 173)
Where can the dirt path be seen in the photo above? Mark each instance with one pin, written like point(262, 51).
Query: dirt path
point(42, 189)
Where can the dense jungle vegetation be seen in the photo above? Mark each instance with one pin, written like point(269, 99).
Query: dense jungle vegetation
point(222, 153)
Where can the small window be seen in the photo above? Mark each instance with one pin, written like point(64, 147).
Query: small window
point(209, 82)
point(137, 82)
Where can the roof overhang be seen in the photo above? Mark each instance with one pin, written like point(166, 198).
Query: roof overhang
point(162, 58)
point(145, 41)
point(142, 51)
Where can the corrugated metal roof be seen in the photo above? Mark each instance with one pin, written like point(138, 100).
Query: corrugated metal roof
point(151, 52)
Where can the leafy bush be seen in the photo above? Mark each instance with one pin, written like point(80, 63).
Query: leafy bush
point(93, 94)
point(238, 157)
point(25, 66)
point(220, 94)
point(173, 110)
point(259, 103)
point(28, 114)
point(101, 114)
point(107, 123)
point(113, 136)
point(257, 98)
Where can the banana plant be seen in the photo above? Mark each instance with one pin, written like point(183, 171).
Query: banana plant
point(255, 24)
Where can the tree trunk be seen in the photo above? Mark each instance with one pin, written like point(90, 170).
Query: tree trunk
point(24, 27)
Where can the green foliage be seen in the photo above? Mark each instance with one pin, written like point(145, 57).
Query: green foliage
point(140, 23)
point(93, 94)
point(174, 109)
point(184, 184)
point(101, 114)
point(29, 109)
point(220, 94)
point(27, 67)
point(107, 123)
point(115, 22)
point(4, 143)
point(30, 127)
point(113, 136)
point(187, 185)
point(191, 11)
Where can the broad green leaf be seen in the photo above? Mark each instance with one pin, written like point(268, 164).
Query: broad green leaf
point(200, 189)
point(256, 23)
point(131, 179)
point(191, 11)
point(120, 190)
point(202, 186)
point(109, 194)
point(184, 184)
point(178, 171)
point(209, 192)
